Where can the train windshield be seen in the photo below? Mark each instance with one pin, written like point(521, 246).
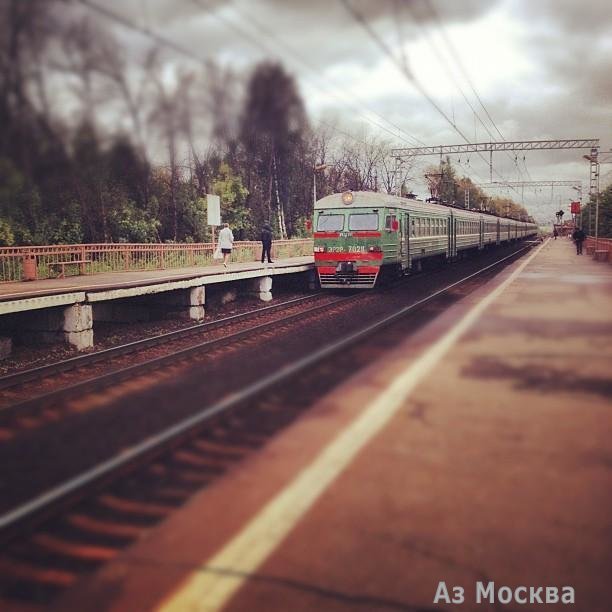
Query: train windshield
point(330, 223)
point(367, 221)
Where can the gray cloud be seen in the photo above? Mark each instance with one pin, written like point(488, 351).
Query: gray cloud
point(566, 43)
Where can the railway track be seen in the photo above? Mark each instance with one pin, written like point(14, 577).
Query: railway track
point(36, 374)
point(167, 342)
point(244, 428)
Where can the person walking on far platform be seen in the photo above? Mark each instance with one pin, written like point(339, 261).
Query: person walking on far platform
point(266, 242)
point(226, 243)
point(579, 237)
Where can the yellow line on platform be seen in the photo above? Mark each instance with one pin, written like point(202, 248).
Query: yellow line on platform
point(211, 586)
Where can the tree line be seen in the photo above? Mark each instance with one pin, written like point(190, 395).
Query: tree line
point(99, 147)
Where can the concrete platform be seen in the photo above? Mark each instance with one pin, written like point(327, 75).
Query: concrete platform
point(476, 452)
point(52, 292)
point(66, 309)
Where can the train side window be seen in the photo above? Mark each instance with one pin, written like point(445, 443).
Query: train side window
point(389, 222)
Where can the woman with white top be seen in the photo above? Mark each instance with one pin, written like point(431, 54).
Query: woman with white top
point(226, 242)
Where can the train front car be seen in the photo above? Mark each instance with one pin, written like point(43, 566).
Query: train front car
point(348, 231)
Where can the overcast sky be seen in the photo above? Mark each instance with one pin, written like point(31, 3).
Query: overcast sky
point(541, 68)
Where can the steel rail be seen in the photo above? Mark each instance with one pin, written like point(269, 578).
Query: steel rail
point(157, 443)
point(115, 376)
point(18, 378)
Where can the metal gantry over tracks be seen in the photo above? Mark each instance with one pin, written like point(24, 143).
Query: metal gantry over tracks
point(403, 154)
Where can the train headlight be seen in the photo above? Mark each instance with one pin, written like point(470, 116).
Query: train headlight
point(375, 249)
point(347, 198)
point(320, 249)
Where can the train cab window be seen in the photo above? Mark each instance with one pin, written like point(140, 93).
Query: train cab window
point(330, 223)
point(363, 221)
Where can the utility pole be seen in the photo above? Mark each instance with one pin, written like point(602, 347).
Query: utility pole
point(594, 191)
point(316, 168)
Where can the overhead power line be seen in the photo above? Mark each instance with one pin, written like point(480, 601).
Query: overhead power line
point(405, 71)
point(158, 38)
point(456, 56)
point(184, 51)
point(269, 34)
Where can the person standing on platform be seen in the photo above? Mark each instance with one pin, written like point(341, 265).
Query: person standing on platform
point(266, 242)
point(579, 237)
point(226, 243)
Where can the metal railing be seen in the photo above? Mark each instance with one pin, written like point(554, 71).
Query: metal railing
point(40, 262)
point(601, 244)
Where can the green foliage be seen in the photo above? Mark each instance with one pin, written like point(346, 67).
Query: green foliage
point(233, 194)
point(7, 238)
point(66, 232)
point(274, 158)
point(195, 221)
point(128, 223)
point(605, 214)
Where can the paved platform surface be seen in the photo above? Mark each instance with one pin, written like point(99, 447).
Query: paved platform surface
point(479, 450)
point(78, 285)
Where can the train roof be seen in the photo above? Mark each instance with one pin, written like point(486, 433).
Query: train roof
point(372, 199)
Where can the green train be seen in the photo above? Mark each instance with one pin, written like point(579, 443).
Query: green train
point(361, 237)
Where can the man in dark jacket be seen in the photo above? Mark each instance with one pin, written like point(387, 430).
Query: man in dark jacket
point(266, 242)
point(579, 237)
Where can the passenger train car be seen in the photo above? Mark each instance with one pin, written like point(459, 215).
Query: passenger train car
point(361, 236)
